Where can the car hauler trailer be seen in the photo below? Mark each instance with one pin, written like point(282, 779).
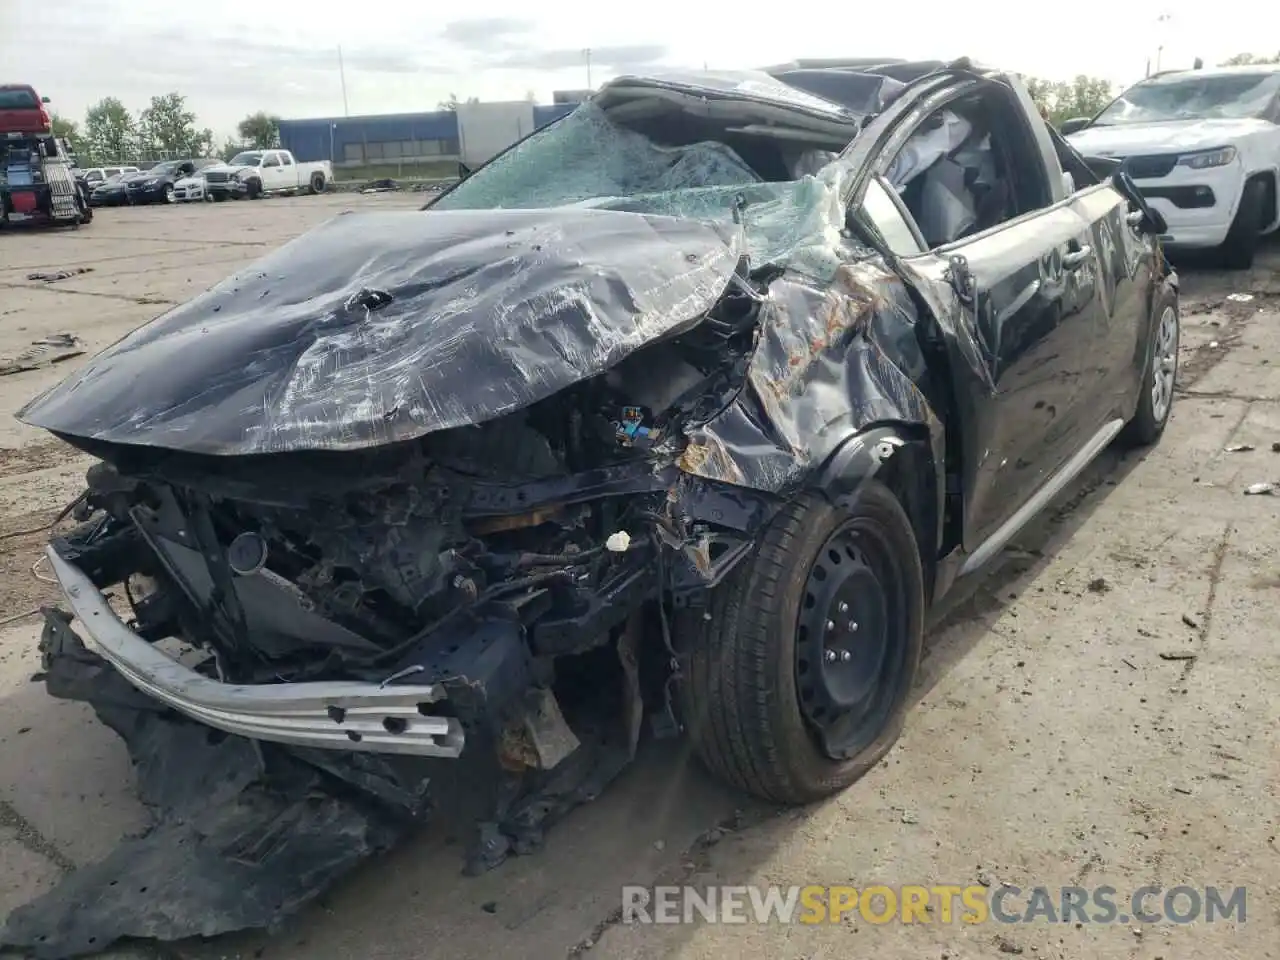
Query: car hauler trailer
point(37, 182)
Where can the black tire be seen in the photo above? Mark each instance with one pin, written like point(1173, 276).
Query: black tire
point(317, 182)
point(1237, 251)
point(740, 695)
point(255, 189)
point(1148, 423)
point(169, 196)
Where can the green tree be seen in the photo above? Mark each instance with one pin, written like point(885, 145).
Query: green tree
point(1061, 100)
point(169, 128)
point(109, 131)
point(69, 130)
point(260, 130)
point(1246, 59)
point(230, 147)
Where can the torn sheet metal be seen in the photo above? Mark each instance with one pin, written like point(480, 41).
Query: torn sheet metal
point(830, 360)
point(489, 312)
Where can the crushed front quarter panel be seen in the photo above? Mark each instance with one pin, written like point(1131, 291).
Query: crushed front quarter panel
point(832, 358)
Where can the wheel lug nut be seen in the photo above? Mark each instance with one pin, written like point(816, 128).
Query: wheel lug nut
point(853, 626)
point(830, 656)
point(845, 656)
point(831, 624)
point(844, 608)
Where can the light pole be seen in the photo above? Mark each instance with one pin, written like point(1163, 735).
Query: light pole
point(1161, 20)
point(342, 74)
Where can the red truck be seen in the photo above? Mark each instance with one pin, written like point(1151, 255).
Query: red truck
point(22, 110)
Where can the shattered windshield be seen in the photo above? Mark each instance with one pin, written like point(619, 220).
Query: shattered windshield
point(588, 160)
point(1224, 97)
point(246, 159)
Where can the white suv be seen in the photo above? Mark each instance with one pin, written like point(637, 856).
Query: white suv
point(1204, 148)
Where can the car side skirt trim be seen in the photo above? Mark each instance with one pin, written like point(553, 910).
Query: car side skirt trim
point(1040, 499)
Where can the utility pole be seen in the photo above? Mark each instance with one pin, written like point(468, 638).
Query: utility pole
point(342, 74)
point(587, 53)
point(1161, 22)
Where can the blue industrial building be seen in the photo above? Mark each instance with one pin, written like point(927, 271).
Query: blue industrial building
point(400, 138)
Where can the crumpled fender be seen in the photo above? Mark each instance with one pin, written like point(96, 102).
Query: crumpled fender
point(901, 456)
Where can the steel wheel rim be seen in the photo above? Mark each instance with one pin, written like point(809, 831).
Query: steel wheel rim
point(850, 649)
point(168, 194)
point(1164, 364)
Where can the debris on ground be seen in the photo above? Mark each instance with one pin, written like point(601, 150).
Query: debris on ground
point(1178, 655)
point(1275, 447)
point(1005, 945)
point(1265, 488)
point(1240, 448)
point(1099, 585)
point(49, 276)
point(909, 817)
point(47, 350)
point(1240, 297)
point(385, 185)
point(1190, 622)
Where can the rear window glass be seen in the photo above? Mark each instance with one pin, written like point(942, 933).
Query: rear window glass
point(18, 100)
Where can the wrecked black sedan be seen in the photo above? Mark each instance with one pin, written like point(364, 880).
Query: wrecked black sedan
point(676, 416)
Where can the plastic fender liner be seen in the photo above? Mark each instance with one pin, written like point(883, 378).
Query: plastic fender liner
point(900, 457)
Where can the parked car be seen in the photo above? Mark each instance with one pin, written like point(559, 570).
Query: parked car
point(157, 183)
point(254, 173)
point(1204, 148)
point(689, 404)
point(190, 187)
point(93, 176)
point(111, 192)
point(22, 110)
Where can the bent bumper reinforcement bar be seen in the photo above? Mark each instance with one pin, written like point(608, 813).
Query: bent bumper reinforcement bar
point(335, 715)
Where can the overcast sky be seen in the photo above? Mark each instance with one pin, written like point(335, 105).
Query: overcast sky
point(231, 59)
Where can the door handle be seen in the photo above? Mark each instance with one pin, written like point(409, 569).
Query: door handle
point(1077, 259)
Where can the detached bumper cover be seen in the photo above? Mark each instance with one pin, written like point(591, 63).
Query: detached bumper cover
point(341, 715)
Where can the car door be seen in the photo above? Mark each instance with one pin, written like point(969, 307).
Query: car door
point(288, 171)
point(271, 171)
point(1021, 300)
point(1112, 371)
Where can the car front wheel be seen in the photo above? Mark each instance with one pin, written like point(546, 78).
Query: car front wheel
point(1237, 252)
point(798, 681)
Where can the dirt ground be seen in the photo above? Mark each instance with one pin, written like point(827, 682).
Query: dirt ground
point(1104, 708)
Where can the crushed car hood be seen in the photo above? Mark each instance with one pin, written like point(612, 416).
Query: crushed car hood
point(382, 327)
point(1124, 139)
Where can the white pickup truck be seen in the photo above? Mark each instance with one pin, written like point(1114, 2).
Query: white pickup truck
point(256, 172)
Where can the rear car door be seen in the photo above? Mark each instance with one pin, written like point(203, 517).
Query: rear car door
point(1017, 277)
